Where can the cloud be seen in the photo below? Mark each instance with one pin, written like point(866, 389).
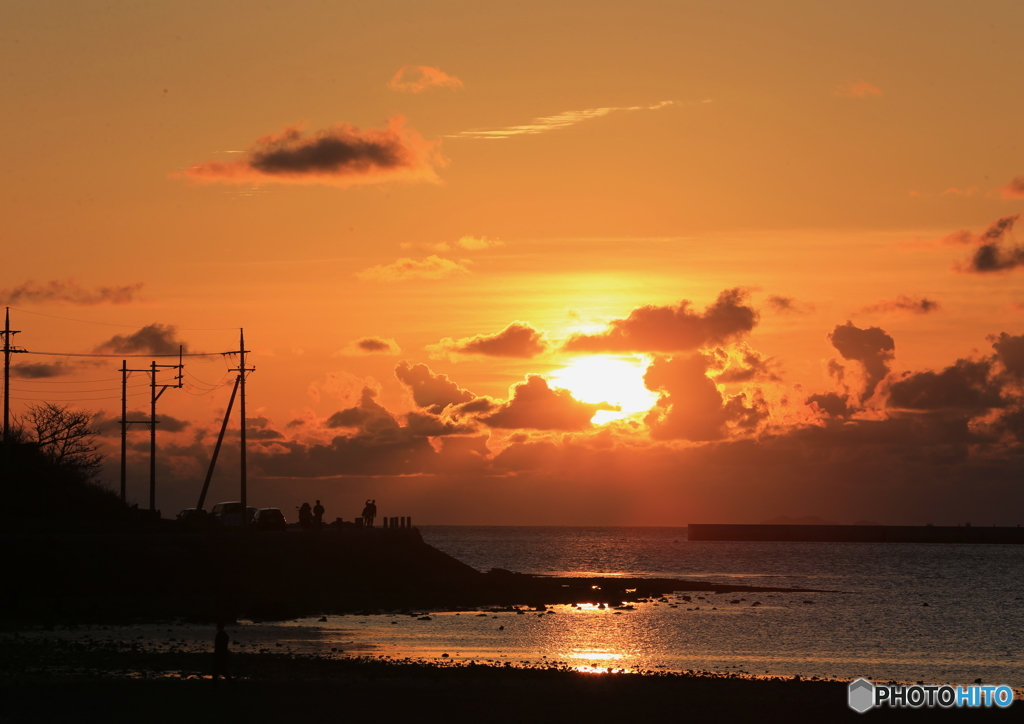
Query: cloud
point(857, 89)
point(691, 406)
point(40, 370)
point(433, 267)
point(158, 339)
point(995, 252)
point(743, 363)
point(832, 404)
point(110, 426)
point(341, 155)
point(370, 345)
point(70, 292)
point(419, 78)
point(518, 340)
point(672, 329)
point(535, 406)
point(434, 392)
point(903, 304)
point(1014, 189)
point(1010, 352)
point(872, 347)
point(558, 121)
point(788, 305)
point(964, 385)
point(465, 243)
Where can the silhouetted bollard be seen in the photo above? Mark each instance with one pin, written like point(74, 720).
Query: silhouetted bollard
point(409, 521)
point(401, 523)
point(385, 521)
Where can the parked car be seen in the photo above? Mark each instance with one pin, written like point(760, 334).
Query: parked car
point(231, 513)
point(270, 519)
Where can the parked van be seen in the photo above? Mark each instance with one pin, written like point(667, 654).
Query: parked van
point(231, 513)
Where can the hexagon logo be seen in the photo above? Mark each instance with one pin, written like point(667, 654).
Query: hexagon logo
point(862, 695)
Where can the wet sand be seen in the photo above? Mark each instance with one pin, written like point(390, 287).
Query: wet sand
point(50, 679)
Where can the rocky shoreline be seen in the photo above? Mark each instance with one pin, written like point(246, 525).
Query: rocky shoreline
point(274, 576)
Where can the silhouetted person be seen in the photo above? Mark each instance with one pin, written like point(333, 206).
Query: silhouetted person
point(220, 653)
point(369, 513)
point(318, 515)
point(306, 516)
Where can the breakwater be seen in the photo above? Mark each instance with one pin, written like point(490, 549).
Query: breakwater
point(855, 533)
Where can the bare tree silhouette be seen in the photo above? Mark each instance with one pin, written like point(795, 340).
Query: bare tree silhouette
point(64, 436)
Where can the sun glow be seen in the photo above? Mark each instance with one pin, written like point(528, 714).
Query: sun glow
point(603, 378)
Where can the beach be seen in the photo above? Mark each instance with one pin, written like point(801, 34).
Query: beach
point(46, 681)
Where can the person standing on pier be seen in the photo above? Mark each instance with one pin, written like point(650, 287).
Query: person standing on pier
point(318, 516)
point(369, 513)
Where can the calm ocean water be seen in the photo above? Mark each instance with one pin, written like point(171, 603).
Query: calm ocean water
point(877, 625)
point(907, 612)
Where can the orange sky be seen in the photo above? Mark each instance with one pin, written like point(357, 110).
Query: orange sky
point(812, 208)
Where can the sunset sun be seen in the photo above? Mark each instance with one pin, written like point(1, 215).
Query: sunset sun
point(604, 378)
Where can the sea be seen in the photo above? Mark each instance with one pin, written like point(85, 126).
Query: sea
point(907, 612)
point(904, 612)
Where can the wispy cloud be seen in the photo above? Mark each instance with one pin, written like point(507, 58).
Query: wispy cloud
point(903, 303)
point(465, 243)
point(370, 345)
point(418, 78)
point(69, 292)
point(341, 155)
point(561, 120)
point(433, 267)
point(857, 89)
point(1014, 189)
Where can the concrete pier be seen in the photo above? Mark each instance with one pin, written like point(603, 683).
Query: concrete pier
point(856, 533)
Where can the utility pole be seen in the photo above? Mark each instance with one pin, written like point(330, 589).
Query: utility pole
point(216, 448)
point(242, 370)
point(153, 369)
point(125, 422)
point(8, 351)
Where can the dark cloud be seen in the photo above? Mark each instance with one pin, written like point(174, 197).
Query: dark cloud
point(994, 252)
point(341, 155)
point(533, 405)
point(426, 425)
point(154, 338)
point(69, 292)
point(110, 425)
point(372, 345)
point(691, 407)
point(672, 329)
point(434, 392)
point(368, 415)
point(872, 347)
point(518, 340)
point(40, 370)
point(965, 385)
point(787, 305)
point(903, 304)
point(1010, 352)
point(832, 404)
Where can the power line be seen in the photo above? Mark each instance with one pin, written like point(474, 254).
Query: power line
point(65, 392)
point(64, 382)
point(122, 356)
point(126, 326)
point(77, 399)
